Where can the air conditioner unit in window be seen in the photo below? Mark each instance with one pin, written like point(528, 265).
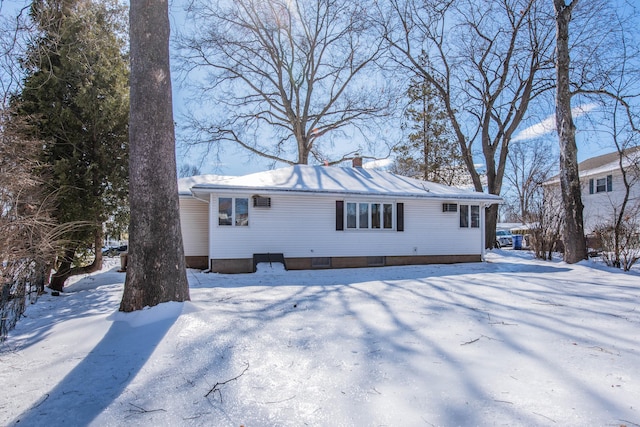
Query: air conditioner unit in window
point(261, 202)
point(449, 207)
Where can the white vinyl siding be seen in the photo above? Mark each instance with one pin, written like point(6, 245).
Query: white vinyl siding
point(305, 226)
point(194, 223)
point(601, 207)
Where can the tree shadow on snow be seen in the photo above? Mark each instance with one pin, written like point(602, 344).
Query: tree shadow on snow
point(103, 374)
point(79, 300)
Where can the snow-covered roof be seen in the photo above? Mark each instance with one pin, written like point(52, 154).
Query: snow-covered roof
point(338, 180)
point(185, 184)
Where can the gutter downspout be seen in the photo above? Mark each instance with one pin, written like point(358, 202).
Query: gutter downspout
point(483, 226)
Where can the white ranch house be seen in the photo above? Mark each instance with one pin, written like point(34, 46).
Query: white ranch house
point(328, 217)
point(603, 189)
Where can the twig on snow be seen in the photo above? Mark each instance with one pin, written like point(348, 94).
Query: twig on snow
point(544, 416)
point(374, 389)
point(217, 386)
point(141, 410)
point(46, 396)
point(281, 401)
point(478, 339)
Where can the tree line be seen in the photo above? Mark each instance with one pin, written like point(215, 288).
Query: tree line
point(443, 85)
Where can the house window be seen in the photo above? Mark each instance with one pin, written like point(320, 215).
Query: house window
point(475, 216)
point(387, 216)
point(242, 212)
point(375, 215)
point(469, 215)
point(464, 216)
point(233, 211)
point(601, 185)
point(352, 218)
point(369, 216)
point(364, 215)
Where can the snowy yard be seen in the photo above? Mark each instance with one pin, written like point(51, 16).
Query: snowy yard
point(512, 341)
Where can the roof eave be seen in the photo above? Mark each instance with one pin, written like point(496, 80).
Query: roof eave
point(488, 199)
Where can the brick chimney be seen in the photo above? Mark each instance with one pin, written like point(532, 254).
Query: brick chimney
point(357, 162)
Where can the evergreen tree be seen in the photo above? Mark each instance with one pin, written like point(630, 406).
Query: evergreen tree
point(430, 153)
point(75, 98)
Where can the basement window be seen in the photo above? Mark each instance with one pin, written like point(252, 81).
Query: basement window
point(321, 262)
point(375, 261)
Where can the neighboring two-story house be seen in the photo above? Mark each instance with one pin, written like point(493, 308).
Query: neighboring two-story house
point(603, 189)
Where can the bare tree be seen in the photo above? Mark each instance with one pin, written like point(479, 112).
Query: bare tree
point(529, 165)
point(156, 270)
point(12, 45)
point(29, 237)
point(488, 61)
point(591, 51)
point(547, 222)
point(575, 246)
point(284, 78)
point(619, 236)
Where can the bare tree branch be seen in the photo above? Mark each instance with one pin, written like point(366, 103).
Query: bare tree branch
point(286, 76)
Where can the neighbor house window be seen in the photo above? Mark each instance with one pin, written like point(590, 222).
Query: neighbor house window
point(601, 185)
point(233, 211)
point(369, 216)
point(469, 215)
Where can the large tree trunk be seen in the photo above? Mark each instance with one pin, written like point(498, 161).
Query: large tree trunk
point(575, 247)
point(491, 223)
point(156, 269)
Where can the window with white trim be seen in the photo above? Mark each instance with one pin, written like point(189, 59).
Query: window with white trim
point(369, 216)
point(601, 185)
point(233, 211)
point(469, 216)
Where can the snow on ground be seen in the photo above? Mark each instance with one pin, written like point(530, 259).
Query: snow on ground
point(513, 341)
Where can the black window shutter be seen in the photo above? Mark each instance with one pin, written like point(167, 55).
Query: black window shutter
point(609, 183)
point(591, 186)
point(400, 216)
point(339, 215)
